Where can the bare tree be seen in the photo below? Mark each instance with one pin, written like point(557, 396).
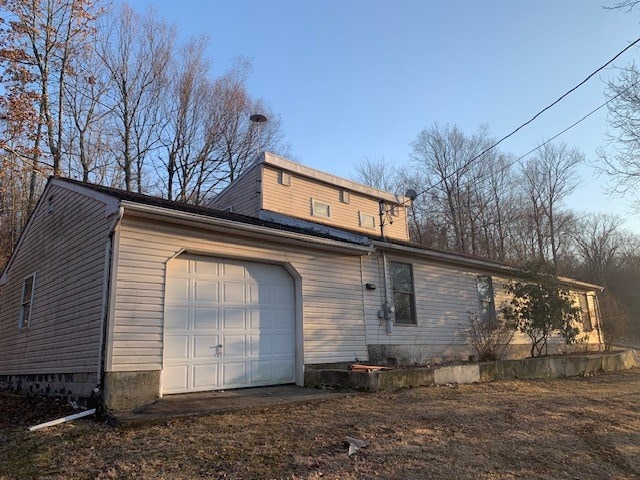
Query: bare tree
point(378, 172)
point(442, 156)
point(550, 176)
point(135, 50)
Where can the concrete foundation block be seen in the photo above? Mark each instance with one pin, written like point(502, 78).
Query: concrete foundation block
point(457, 374)
point(125, 391)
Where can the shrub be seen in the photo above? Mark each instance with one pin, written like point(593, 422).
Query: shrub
point(489, 337)
point(540, 306)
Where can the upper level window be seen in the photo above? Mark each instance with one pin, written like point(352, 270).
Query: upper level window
point(320, 209)
point(284, 178)
point(367, 221)
point(486, 302)
point(28, 286)
point(403, 293)
point(394, 210)
point(345, 197)
point(585, 314)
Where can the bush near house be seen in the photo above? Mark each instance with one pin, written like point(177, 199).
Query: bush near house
point(540, 307)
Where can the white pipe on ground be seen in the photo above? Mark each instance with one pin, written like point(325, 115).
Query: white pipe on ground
point(63, 419)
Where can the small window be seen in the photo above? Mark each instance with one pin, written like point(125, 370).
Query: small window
point(345, 197)
point(284, 178)
point(394, 210)
point(320, 209)
point(486, 302)
point(585, 314)
point(28, 286)
point(367, 221)
point(403, 293)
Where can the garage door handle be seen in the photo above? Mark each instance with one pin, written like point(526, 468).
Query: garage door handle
point(218, 349)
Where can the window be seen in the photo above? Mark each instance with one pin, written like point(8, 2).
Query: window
point(585, 314)
point(344, 196)
point(284, 178)
point(320, 209)
point(486, 301)
point(27, 300)
point(394, 210)
point(367, 221)
point(403, 296)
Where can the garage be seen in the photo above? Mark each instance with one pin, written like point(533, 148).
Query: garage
point(227, 324)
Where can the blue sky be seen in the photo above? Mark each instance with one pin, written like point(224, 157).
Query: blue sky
point(354, 78)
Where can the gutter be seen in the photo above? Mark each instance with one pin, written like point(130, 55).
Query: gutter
point(256, 231)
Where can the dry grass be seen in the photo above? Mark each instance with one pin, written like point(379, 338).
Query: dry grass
point(587, 428)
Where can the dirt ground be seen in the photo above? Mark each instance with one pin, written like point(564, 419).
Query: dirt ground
point(585, 428)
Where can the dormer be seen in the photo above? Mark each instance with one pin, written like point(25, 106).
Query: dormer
point(275, 185)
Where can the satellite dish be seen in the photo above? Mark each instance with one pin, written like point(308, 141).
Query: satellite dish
point(412, 194)
point(258, 118)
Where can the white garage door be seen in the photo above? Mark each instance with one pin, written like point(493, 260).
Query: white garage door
point(227, 324)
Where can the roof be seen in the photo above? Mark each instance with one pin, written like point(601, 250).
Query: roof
point(355, 238)
point(153, 201)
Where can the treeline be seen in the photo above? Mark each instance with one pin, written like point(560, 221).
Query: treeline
point(116, 97)
point(480, 201)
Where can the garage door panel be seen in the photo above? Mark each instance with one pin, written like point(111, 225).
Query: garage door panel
point(234, 292)
point(247, 307)
point(205, 318)
point(205, 376)
point(234, 374)
point(178, 289)
point(234, 318)
point(176, 318)
point(282, 344)
point(281, 295)
point(235, 345)
point(177, 346)
point(233, 269)
point(205, 347)
point(282, 372)
point(206, 267)
point(175, 378)
point(259, 319)
point(205, 291)
point(260, 345)
point(283, 319)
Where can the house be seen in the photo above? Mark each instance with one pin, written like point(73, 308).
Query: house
point(132, 297)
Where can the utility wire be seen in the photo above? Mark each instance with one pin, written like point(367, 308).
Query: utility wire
point(491, 147)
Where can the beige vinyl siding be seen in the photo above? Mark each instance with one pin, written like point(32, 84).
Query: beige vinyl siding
point(333, 323)
point(243, 196)
point(66, 250)
point(295, 200)
point(443, 296)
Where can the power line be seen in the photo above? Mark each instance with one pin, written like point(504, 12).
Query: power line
point(513, 162)
point(491, 147)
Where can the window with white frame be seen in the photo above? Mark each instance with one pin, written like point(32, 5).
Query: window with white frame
point(284, 178)
point(403, 293)
point(585, 313)
point(367, 221)
point(26, 302)
point(320, 209)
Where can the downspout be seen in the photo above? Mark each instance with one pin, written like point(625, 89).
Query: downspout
point(106, 283)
